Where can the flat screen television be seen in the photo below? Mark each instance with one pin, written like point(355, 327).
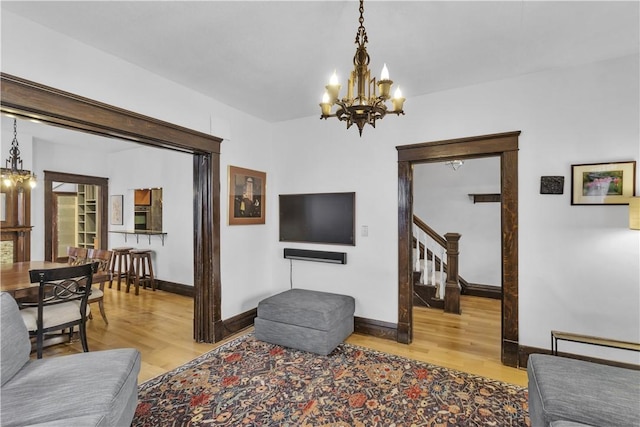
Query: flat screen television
point(318, 218)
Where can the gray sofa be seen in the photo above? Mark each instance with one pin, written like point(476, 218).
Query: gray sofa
point(570, 393)
point(88, 389)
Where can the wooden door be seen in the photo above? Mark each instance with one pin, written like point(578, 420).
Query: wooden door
point(64, 224)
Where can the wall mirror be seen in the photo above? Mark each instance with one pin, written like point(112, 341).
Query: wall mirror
point(147, 209)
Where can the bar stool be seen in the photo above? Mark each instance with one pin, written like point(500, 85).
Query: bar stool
point(141, 270)
point(120, 265)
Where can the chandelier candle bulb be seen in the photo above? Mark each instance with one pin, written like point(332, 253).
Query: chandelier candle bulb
point(325, 105)
point(384, 75)
point(398, 101)
point(333, 88)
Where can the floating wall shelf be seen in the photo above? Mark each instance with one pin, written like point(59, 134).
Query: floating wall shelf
point(139, 233)
point(485, 198)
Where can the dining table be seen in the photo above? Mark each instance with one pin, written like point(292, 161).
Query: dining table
point(14, 278)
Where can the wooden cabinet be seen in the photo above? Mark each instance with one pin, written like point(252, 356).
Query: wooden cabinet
point(15, 224)
point(88, 218)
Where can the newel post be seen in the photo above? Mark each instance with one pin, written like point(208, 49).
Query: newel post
point(452, 289)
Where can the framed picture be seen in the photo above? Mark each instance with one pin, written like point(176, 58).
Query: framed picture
point(247, 196)
point(116, 209)
point(551, 184)
point(603, 183)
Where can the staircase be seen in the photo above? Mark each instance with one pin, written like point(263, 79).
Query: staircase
point(436, 282)
point(430, 275)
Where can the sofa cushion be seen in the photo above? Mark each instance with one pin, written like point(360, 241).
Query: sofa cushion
point(308, 309)
point(562, 389)
point(15, 344)
point(78, 385)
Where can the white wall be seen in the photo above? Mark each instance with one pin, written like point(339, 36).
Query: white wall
point(147, 167)
point(441, 199)
point(579, 266)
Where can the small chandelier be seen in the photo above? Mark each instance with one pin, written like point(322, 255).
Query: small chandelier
point(11, 175)
point(367, 106)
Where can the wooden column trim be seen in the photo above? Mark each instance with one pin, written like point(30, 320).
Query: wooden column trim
point(452, 288)
point(509, 220)
point(405, 273)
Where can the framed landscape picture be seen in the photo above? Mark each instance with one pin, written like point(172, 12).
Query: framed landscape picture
point(247, 196)
point(603, 183)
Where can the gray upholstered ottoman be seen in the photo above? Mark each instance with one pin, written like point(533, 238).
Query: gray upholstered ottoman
point(567, 392)
point(305, 320)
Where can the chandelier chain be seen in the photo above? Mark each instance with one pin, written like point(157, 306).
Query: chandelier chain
point(361, 35)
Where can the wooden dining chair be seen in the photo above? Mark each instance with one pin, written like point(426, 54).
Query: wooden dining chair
point(101, 276)
point(62, 303)
point(77, 256)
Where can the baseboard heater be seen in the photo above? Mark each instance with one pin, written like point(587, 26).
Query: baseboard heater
point(317, 256)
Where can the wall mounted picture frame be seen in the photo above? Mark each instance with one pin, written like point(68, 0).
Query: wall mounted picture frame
point(247, 196)
point(551, 184)
point(603, 183)
point(117, 201)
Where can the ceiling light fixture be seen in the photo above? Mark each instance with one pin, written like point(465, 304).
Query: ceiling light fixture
point(366, 106)
point(454, 164)
point(11, 175)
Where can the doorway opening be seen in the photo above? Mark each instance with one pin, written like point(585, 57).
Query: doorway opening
point(32, 100)
point(83, 196)
point(505, 146)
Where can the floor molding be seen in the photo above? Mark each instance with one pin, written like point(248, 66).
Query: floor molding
point(175, 288)
point(485, 291)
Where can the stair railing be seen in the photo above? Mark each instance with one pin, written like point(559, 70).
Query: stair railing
point(427, 243)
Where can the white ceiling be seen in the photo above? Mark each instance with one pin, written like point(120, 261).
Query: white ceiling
point(272, 59)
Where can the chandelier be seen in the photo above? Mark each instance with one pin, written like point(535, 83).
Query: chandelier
point(11, 175)
point(366, 106)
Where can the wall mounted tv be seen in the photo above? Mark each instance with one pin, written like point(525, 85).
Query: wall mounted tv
point(318, 218)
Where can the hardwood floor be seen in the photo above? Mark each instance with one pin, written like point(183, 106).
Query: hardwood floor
point(469, 342)
point(160, 325)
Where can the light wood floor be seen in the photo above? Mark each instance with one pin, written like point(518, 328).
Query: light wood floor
point(160, 325)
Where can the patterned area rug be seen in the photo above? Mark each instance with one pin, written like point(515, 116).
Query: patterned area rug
point(246, 382)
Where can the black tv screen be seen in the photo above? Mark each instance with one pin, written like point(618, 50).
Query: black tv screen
point(318, 218)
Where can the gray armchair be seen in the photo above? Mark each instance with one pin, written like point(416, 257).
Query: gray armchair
point(65, 390)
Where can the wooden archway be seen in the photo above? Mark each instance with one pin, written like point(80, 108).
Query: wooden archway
point(32, 100)
point(505, 146)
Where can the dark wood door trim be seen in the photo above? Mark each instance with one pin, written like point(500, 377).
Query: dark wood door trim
point(504, 145)
point(49, 178)
point(32, 100)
